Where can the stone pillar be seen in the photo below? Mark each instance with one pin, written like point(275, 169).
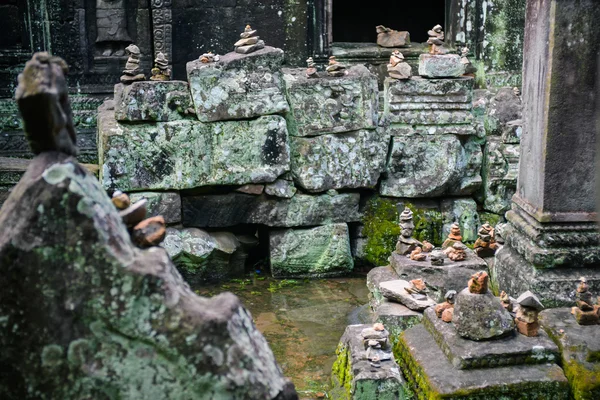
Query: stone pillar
point(552, 238)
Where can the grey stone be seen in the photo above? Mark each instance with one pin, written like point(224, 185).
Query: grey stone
point(231, 209)
point(530, 300)
point(375, 277)
point(186, 154)
point(104, 302)
point(481, 316)
point(440, 66)
point(464, 212)
point(203, 257)
point(499, 174)
point(514, 349)
point(396, 290)
point(512, 132)
point(152, 101)
point(354, 377)
point(505, 106)
point(331, 105)
point(452, 275)
point(424, 362)
point(166, 204)
point(281, 188)
point(396, 318)
point(238, 86)
point(310, 253)
point(427, 166)
point(339, 161)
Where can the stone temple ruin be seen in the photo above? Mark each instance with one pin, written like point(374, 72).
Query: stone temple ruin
point(445, 151)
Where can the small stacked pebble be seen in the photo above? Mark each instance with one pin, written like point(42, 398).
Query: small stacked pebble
point(132, 72)
point(161, 70)
point(470, 70)
point(208, 58)
point(311, 70)
point(397, 68)
point(436, 40)
point(249, 41)
point(335, 68)
point(145, 232)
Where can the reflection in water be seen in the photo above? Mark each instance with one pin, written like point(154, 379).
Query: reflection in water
point(303, 321)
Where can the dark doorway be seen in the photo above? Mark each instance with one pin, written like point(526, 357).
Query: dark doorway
point(356, 23)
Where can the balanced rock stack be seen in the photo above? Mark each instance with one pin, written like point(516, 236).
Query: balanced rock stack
point(161, 70)
point(470, 70)
point(249, 41)
point(208, 58)
point(397, 68)
point(133, 71)
point(311, 68)
point(145, 232)
point(436, 40)
point(335, 68)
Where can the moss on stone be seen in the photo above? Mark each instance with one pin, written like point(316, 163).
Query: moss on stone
point(381, 229)
point(341, 374)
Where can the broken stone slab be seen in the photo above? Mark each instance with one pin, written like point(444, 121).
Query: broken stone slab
point(452, 275)
point(109, 307)
point(152, 101)
point(317, 252)
point(187, 154)
point(223, 210)
point(353, 377)
point(516, 349)
point(281, 188)
point(430, 374)
point(331, 105)
point(375, 277)
point(499, 174)
point(440, 66)
point(464, 212)
point(580, 350)
point(340, 161)
point(481, 316)
point(392, 38)
point(165, 204)
point(396, 291)
point(238, 86)
point(203, 257)
point(428, 166)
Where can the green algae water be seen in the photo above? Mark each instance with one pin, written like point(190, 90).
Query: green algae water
point(303, 321)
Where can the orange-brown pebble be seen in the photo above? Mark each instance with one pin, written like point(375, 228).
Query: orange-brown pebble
point(478, 283)
point(419, 284)
point(440, 308)
point(121, 201)
point(150, 232)
point(448, 314)
point(427, 247)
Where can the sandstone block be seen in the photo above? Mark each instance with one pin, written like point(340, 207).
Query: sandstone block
point(152, 101)
point(440, 66)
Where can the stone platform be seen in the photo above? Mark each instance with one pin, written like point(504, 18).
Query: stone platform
point(450, 276)
point(515, 349)
point(354, 378)
point(431, 375)
point(580, 351)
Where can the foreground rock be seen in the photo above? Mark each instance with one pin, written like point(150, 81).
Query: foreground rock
point(311, 253)
point(238, 86)
point(103, 315)
point(185, 154)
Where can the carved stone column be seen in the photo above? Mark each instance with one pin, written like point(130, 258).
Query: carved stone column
point(162, 23)
point(552, 238)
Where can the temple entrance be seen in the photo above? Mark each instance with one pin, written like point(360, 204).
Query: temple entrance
point(357, 24)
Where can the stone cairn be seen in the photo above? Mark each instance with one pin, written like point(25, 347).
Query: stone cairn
point(454, 236)
point(397, 68)
point(311, 68)
point(485, 245)
point(145, 232)
point(436, 40)
point(586, 312)
point(527, 314)
point(335, 68)
point(133, 71)
point(506, 302)
point(470, 70)
point(161, 70)
point(249, 42)
point(445, 310)
point(209, 57)
point(377, 345)
point(406, 243)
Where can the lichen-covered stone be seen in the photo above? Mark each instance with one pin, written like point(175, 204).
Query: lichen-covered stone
point(103, 319)
point(464, 212)
point(207, 211)
point(186, 154)
point(165, 204)
point(499, 173)
point(339, 161)
point(331, 105)
point(427, 166)
point(203, 257)
point(440, 66)
point(238, 86)
point(281, 188)
point(310, 253)
point(481, 316)
point(152, 101)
